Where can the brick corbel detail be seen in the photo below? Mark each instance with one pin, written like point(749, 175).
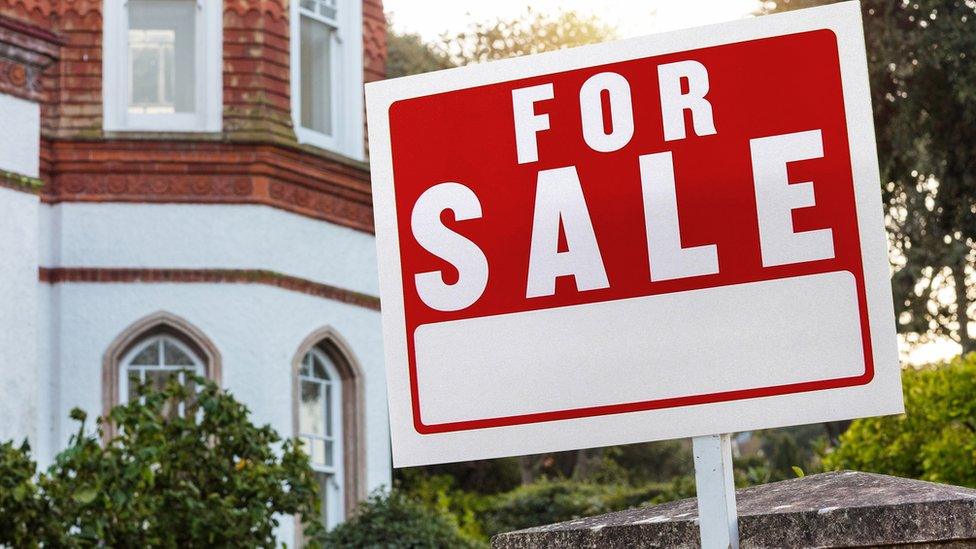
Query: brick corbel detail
point(25, 51)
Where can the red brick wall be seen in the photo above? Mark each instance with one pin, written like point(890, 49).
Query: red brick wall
point(35, 12)
point(257, 102)
point(74, 105)
point(79, 162)
point(374, 41)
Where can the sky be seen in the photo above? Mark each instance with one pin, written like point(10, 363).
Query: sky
point(631, 17)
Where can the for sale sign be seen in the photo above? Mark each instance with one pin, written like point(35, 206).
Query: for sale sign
point(663, 237)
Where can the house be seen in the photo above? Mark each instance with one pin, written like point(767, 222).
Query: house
point(183, 184)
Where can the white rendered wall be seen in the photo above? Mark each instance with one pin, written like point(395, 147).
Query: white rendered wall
point(19, 390)
point(20, 140)
point(257, 330)
point(210, 237)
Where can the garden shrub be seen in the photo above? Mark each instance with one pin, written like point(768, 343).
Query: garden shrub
point(934, 440)
point(395, 520)
point(206, 478)
point(548, 501)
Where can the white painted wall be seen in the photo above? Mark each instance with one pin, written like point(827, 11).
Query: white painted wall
point(48, 374)
point(210, 236)
point(20, 140)
point(257, 330)
point(19, 390)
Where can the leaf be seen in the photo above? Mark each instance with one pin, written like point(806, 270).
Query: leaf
point(78, 414)
point(798, 472)
point(85, 496)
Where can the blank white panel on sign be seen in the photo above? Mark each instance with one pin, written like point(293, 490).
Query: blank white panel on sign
point(728, 338)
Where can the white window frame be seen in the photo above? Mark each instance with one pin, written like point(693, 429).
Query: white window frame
point(335, 497)
point(160, 340)
point(208, 77)
point(347, 82)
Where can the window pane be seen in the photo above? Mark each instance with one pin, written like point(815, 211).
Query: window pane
point(318, 451)
point(319, 368)
point(316, 75)
point(329, 453)
point(327, 8)
point(328, 410)
point(325, 487)
point(311, 414)
point(162, 58)
point(148, 356)
point(132, 387)
point(174, 356)
point(324, 8)
point(158, 378)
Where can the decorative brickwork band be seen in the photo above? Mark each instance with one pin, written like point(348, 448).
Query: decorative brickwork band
point(59, 275)
point(210, 173)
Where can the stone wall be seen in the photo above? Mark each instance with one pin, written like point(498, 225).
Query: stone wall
point(840, 509)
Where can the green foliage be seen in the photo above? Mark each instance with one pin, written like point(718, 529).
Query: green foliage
point(549, 501)
point(21, 508)
point(407, 54)
point(486, 476)
point(208, 477)
point(397, 520)
point(441, 494)
point(936, 438)
point(532, 32)
point(923, 84)
point(638, 464)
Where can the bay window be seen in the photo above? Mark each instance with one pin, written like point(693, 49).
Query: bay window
point(162, 65)
point(326, 74)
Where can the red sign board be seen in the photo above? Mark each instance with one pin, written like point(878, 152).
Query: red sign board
point(632, 233)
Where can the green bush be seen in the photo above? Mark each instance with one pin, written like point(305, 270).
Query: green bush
point(208, 477)
point(547, 501)
point(934, 440)
point(396, 520)
point(440, 493)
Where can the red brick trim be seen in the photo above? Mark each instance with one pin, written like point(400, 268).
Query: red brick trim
point(60, 275)
point(208, 172)
point(19, 182)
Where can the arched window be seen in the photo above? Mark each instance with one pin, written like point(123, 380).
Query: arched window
point(320, 428)
point(328, 420)
point(156, 360)
point(154, 349)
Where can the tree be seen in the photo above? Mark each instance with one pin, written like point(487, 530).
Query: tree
point(923, 80)
point(934, 440)
point(203, 477)
point(531, 32)
point(408, 54)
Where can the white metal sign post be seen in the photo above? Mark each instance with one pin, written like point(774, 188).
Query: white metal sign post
point(670, 236)
point(717, 518)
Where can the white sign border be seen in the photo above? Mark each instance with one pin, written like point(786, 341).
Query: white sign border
point(883, 395)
